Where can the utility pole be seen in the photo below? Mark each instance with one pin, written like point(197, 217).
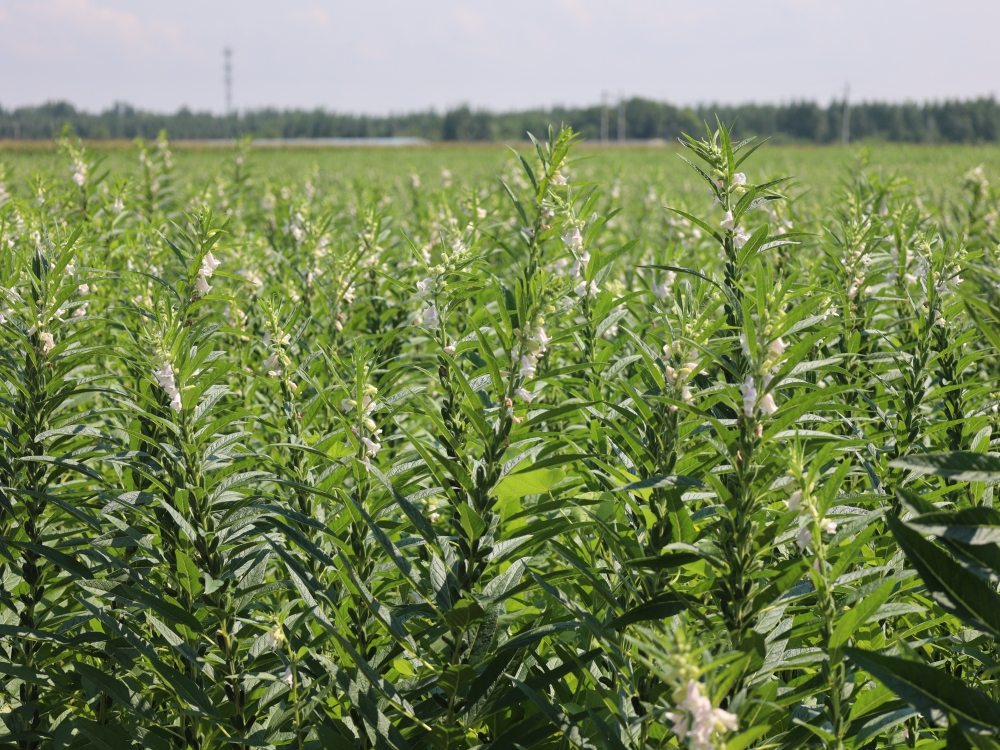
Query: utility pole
point(845, 124)
point(227, 55)
point(621, 118)
point(604, 118)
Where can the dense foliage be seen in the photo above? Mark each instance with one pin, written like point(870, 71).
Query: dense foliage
point(336, 463)
point(973, 121)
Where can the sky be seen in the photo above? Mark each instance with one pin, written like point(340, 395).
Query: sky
point(393, 56)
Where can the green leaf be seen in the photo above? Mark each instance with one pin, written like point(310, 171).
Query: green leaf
point(957, 590)
point(933, 692)
point(666, 561)
point(658, 482)
point(660, 608)
point(464, 613)
point(526, 638)
point(744, 739)
point(404, 667)
point(858, 615)
point(974, 526)
point(867, 700)
point(456, 678)
point(536, 482)
point(879, 724)
point(471, 521)
point(964, 466)
point(188, 574)
point(113, 688)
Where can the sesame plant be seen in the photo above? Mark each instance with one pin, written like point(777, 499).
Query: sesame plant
point(554, 458)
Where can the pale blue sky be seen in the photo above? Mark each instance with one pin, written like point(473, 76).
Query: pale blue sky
point(379, 56)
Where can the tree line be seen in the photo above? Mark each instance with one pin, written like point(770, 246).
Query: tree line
point(970, 121)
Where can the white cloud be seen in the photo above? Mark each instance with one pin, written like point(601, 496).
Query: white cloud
point(312, 15)
point(89, 17)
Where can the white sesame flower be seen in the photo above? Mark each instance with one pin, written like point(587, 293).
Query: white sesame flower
point(371, 446)
point(744, 344)
point(749, 391)
point(79, 172)
point(202, 286)
point(767, 405)
point(450, 349)
point(528, 364)
point(83, 289)
point(662, 290)
point(48, 344)
point(79, 312)
point(739, 179)
point(349, 294)
point(686, 396)
point(579, 265)
point(434, 517)
point(524, 394)
point(803, 538)
point(741, 237)
point(776, 347)
point(573, 239)
point(795, 501)
point(727, 221)
point(696, 721)
point(424, 286)
point(165, 377)
point(558, 179)
point(208, 265)
point(70, 269)
point(430, 316)
point(828, 526)
point(543, 340)
point(480, 212)
point(275, 638)
point(288, 678)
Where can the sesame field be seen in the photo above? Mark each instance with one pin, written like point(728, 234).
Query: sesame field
point(545, 447)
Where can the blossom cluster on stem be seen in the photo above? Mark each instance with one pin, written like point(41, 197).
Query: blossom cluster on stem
point(534, 346)
point(805, 506)
point(698, 722)
point(369, 441)
point(208, 266)
point(677, 378)
point(165, 377)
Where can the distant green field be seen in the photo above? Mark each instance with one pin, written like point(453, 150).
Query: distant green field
point(935, 170)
